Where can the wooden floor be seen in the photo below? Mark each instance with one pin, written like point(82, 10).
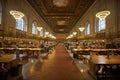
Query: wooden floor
point(55, 66)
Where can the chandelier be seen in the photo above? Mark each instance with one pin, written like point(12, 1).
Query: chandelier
point(102, 15)
point(81, 28)
point(17, 14)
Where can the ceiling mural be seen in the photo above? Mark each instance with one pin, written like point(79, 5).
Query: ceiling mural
point(61, 15)
point(60, 3)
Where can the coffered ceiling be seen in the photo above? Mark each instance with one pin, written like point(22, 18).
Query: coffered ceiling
point(61, 15)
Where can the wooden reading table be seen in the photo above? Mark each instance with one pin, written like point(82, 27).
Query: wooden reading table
point(103, 66)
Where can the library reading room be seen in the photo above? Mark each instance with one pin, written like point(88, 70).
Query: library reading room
point(59, 39)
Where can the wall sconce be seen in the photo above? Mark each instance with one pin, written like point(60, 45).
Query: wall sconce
point(16, 14)
point(71, 35)
point(102, 15)
point(81, 28)
point(74, 33)
point(50, 35)
point(39, 28)
point(46, 33)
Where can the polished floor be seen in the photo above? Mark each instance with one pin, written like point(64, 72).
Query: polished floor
point(59, 65)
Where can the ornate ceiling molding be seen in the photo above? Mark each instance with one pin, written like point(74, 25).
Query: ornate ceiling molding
point(61, 14)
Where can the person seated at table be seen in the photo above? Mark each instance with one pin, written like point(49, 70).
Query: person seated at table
point(118, 45)
point(92, 45)
point(1, 53)
point(47, 46)
point(42, 47)
point(111, 46)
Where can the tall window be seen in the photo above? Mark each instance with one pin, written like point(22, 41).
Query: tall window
point(21, 24)
point(87, 29)
point(34, 28)
point(41, 33)
point(100, 25)
point(0, 13)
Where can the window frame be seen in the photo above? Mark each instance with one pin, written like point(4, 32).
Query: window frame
point(21, 24)
point(34, 28)
point(0, 13)
point(87, 29)
point(41, 33)
point(100, 25)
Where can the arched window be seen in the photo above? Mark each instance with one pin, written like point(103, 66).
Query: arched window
point(0, 13)
point(41, 32)
point(100, 25)
point(34, 28)
point(21, 24)
point(87, 29)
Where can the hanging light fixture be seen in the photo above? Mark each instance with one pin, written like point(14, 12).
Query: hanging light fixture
point(102, 15)
point(16, 14)
point(81, 28)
